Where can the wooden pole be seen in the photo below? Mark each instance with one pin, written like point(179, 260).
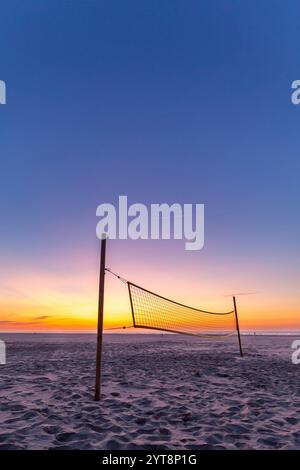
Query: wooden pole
point(237, 326)
point(100, 320)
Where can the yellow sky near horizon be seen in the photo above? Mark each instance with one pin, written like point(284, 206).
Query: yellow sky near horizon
point(43, 302)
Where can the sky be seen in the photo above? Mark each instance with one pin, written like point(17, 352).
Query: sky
point(161, 101)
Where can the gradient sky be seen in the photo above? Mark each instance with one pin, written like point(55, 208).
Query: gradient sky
point(164, 102)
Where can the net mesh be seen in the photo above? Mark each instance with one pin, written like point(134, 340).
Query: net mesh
point(152, 311)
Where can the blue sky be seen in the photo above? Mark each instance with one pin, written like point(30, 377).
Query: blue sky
point(162, 101)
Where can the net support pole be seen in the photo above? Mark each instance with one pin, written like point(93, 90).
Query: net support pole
point(100, 320)
point(237, 326)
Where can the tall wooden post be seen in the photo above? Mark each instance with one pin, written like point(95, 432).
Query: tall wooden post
point(237, 326)
point(100, 320)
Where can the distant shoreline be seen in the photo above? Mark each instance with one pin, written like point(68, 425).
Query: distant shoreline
point(54, 333)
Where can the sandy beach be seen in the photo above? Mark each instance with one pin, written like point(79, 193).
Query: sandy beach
point(159, 392)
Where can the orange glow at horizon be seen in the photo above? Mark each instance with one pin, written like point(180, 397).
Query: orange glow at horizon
point(74, 314)
point(48, 304)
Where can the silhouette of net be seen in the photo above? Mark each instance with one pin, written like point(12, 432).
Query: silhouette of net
point(152, 311)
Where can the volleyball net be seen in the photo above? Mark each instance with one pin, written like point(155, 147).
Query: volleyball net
point(154, 312)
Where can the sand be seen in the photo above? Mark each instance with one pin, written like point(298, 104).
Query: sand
point(159, 392)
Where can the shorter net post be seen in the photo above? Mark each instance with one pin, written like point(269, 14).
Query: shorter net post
point(237, 326)
point(100, 320)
